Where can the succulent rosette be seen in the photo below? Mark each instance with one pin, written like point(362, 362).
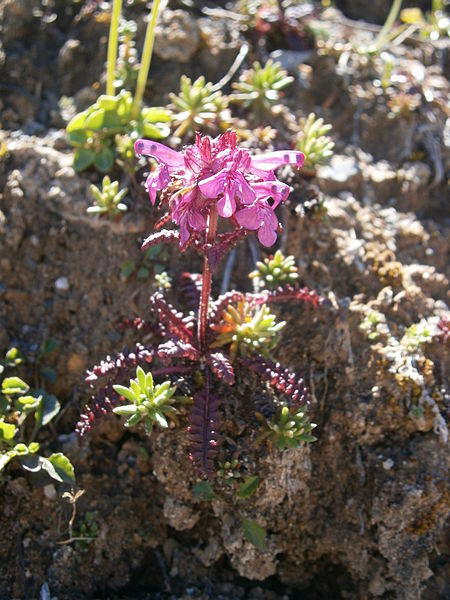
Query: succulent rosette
point(216, 172)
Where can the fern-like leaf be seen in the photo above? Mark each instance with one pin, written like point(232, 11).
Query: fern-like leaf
point(281, 380)
point(177, 349)
point(221, 366)
point(203, 429)
point(175, 321)
point(161, 237)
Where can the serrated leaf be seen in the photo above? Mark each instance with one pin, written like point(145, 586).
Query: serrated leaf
point(63, 467)
point(202, 490)
point(14, 385)
point(254, 533)
point(248, 487)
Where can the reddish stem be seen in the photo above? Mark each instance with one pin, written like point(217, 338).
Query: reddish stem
point(206, 283)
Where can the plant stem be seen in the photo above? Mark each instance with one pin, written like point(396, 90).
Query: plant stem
point(388, 24)
point(146, 59)
point(112, 46)
point(206, 282)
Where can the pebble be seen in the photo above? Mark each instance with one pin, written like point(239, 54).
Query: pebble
point(50, 491)
point(62, 284)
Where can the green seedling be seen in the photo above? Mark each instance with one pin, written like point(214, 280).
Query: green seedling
point(108, 199)
point(274, 271)
point(313, 141)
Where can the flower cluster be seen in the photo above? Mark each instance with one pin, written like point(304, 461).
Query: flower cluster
point(215, 174)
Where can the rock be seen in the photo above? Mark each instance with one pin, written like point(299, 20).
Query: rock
point(340, 175)
point(177, 36)
point(62, 284)
point(180, 516)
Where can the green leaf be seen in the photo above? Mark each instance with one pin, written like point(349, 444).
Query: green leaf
point(78, 138)
point(108, 102)
point(156, 114)
point(78, 122)
point(7, 431)
point(63, 467)
point(104, 160)
point(155, 132)
point(140, 373)
point(126, 269)
point(255, 534)
point(5, 457)
point(125, 392)
point(248, 487)
point(162, 422)
point(202, 490)
point(143, 273)
point(48, 346)
point(47, 409)
point(95, 120)
point(27, 404)
point(126, 410)
point(13, 357)
point(83, 159)
point(14, 385)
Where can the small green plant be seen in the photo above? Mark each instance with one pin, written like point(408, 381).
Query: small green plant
point(163, 281)
point(127, 65)
point(248, 329)
point(86, 533)
point(260, 87)
point(108, 199)
point(17, 403)
point(106, 130)
point(274, 271)
point(370, 324)
point(151, 404)
point(97, 132)
point(288, 428)
point(229, 470)
point(313, 141)
point(433, 25)
point(197, 106)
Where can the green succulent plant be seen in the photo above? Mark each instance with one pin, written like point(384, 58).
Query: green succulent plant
point(17, 403)
point(288, 428)
point(274, 271)
point(127, 65)
point(260, 87)
point(313, 141)
point(108, 199)
point(94, 132)
point(229, 470)
point(149, 403)
point(247, 329)
point(197, 106)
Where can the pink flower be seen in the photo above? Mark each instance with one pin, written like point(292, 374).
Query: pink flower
point(260, 216)
point(215, 170)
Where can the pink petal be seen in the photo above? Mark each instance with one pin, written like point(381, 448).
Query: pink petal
point(213, 186)
point(272, 189)
point(267, 236)
point(244, 191)
point(273, 160)
point(249, 218)
point(157, 180)
point(196, 220)
point(226, 206)
point(159, 151)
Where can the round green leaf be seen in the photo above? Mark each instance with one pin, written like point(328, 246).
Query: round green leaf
point(83, 159)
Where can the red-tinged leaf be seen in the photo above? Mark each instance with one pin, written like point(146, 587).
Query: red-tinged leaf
point(161, 237)
point(221, 366)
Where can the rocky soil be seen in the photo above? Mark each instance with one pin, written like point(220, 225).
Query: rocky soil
point(362, 512)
